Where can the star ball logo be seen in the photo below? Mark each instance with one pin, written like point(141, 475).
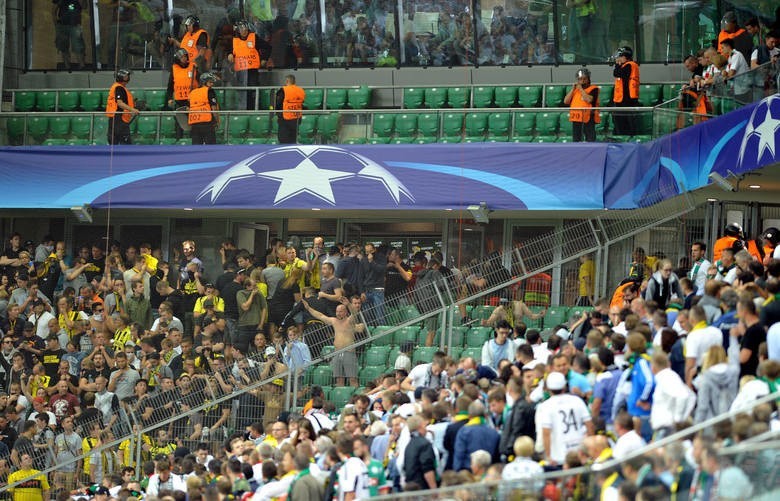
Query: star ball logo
point(760, 133)
point(311, 170)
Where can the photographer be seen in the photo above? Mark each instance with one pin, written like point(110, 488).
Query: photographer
point(583, 96)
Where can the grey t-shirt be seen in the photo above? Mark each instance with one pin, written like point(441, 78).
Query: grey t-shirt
point(68, 447)
point(272, 276)
point(125, 382)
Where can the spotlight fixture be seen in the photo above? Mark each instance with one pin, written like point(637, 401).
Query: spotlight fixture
point(479, 212)
point(83, 213)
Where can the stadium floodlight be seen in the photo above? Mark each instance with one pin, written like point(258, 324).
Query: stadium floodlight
point(479, 212)
point(83, 213)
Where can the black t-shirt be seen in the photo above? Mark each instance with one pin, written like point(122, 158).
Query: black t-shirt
point(68, 12)
point(228, 293)
point(395, 284)
point(34, 342)
point(754, 336)
point(51, 362)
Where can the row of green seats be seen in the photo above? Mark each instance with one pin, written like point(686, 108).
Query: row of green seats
point(356, 98)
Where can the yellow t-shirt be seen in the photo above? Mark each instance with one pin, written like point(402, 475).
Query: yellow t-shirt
point(30, 490)
point(298, 263)
point(219, 304)
point(122, 336)
point(586, 275)
point(87, 444)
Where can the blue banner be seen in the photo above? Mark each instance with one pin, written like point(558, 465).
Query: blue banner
point(407, 177)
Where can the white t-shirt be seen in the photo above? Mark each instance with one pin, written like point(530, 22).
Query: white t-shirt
point(773, 341)
point(629, 442)
point(738, 65)
point(353, 477)
point(700, 340)
point(565, 415)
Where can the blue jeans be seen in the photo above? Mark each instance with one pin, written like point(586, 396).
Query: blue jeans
point(375, 300)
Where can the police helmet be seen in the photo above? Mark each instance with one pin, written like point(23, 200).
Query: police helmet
point(180, 55)
point(583, 72)
point(192, 20)
point(208, 77)
point(244, 24)
point(625, 51)
point(738, 245)
point(123, 75)
point(771, 235)
point(733, 230)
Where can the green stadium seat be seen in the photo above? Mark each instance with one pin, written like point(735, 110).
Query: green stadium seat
point(322, 375)
point(452, 125)
point(644, 123)
point(406, 124)
point(37, 126)
point(473, 352)
point(255, 140)
point(80, 126)
point(449, 139)
point(506, 97)
point(383, 124)
point(380, 336)
point(476, 124)
point(482, 312)
point(577, 311)
point(238, 125)
point(313, 99)
point(259, 126)
point(565, 126)
point(455, 352)
point(360, 98)
point(644, 138)
point(168, 126)
point(424, 354)
point(140, 95)
point(59, 127)
point(401, 140)
point(392, 356)
point(435, 97)
point(155, 100)
point(605, 94)
point(24, 100)
point(53, 141)
point(15, 128)
point(92, 100)
point(476, 336)
point(499, 123)
point(376, 355)
point(68, 100)
point(670, 91)
point(649, 94)
point(169, 141)
point(554, 94)
point(424, 140)
point(524, 124)
point(327, 350)
point(406, 334)
point(340, 396)
point(336, 99)
point(374, 140)
point(409, 312)
point(230, 99)
point(496, 139)
point(555, 315)
point(727, 105)
point(459, 335)
point(266, 98)
point(545, 139)
point(534, 323)
point(547, 123)
point(77, 142)
point(370, 373)
point(473, 139)
point(147, 126)
point(529, 96)
point(458, 97)
point(522, 139)
point(428, 125)
point(328, 126)
point(45, 100)
point(413, 97)
point(307, 127)
point(482, 97)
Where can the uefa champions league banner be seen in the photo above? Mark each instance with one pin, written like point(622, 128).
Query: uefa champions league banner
point(405, 177)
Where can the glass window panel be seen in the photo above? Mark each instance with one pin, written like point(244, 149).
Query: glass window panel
point(517, 32)
point(671, 30)
point(359, 33)
point(72, 35)
point(130, 34)
point(438, 34)
point(590, 30)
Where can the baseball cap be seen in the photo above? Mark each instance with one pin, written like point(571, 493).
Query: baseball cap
point(130, 343)
point(270, 351)
point(209, 285)
point(556, 381)
point(406, 410)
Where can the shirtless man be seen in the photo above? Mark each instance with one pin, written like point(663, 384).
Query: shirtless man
point(345, 326)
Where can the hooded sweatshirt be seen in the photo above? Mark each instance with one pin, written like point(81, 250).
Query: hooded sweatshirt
point(717, 387)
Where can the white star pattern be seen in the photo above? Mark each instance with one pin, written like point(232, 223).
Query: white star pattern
point(306, 177)
point(765, 131)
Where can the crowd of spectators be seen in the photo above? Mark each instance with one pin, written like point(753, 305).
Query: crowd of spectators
point(105, 343)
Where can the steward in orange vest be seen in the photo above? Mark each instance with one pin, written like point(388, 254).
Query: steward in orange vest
point(743, 41)
point(203, 100)
point(583, 96)
point(196, 42)
point(732, 234)
point(247, 59)
point(290, 100)
point(120, 109)
point(183, 79)
point(626, 93)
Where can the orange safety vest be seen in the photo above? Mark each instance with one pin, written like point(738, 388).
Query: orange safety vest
point(200, 108)
point(183, 81)
point(755, 251)
point(293, 102)
point(577, 101)
point(633, 84)
point(189, 43)
point(111, 106)
point(245, 54)
point(702, 104)
point(723, 35)
point(617, 296)
point(721, 244)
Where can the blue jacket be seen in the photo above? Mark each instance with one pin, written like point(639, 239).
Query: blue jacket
point(642, 386)
point(474, 437)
